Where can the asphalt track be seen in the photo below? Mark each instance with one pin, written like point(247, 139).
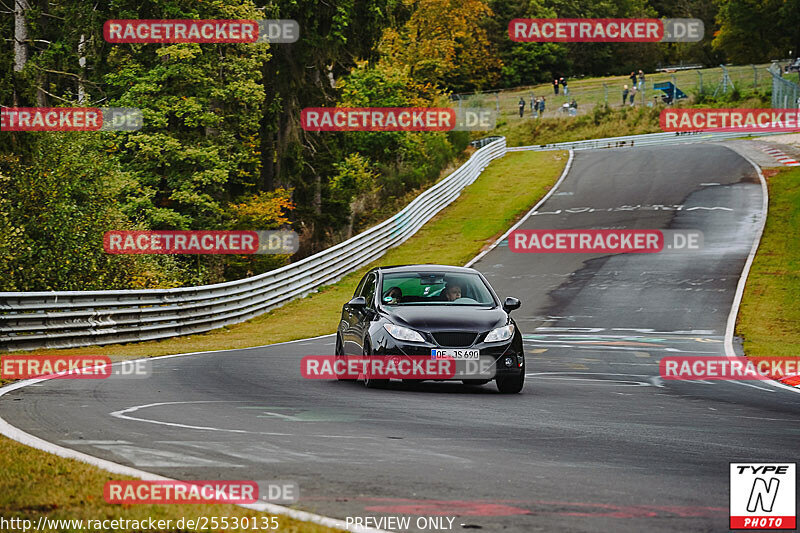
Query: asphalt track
point(595, 442)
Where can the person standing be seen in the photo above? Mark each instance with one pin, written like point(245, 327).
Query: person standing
point(541, 107)
point(624, 94)
point(564, 84)
point(633, 79)
point(555, 86)
point(521, 107)
point(633, 94)
point(641, 80)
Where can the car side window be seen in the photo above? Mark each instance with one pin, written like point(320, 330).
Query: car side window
point(368, 291)
point(360, 286)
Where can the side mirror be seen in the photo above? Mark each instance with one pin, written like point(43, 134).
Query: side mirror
point(510, 304)
point(359, 302)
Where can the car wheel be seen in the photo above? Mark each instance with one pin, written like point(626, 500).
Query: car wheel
point(339, 354)
point(475, 381)
point(511, 384)
point(369, 382)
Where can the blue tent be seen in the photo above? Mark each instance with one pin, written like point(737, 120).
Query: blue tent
point(671, 92)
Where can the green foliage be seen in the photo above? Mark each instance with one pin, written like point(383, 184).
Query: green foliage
point(754, 31)
point(53, 214)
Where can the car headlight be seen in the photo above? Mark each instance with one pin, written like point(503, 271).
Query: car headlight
point(403, 334)
point(500, 334)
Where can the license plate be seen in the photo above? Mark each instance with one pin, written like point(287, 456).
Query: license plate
point(455, 354)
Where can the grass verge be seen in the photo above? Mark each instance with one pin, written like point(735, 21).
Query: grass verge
point(769, 317)
point(34, 483)
point(602, 122)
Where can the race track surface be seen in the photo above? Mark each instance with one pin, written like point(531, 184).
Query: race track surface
point(595, 442)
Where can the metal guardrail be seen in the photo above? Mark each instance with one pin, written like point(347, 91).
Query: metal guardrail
point(673, 68)
point(785, 94)
point(63, 319)
point(647, 139)
point(480, 143)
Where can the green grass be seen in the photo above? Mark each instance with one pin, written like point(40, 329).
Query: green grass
point(34, 483)
point(769, 318)
point(589, 92)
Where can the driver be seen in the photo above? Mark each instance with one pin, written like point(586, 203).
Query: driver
point(452, 292)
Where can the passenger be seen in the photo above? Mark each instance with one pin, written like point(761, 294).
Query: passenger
point(393, 296)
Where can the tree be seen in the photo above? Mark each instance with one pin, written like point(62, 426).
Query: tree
point(753, 31)
point(444, 42)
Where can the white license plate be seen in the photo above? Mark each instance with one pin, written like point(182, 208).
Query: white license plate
point(455, 354)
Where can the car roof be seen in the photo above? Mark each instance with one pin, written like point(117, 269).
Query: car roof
point(427, 268)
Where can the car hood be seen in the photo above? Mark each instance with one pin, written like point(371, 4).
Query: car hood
point(447, 318)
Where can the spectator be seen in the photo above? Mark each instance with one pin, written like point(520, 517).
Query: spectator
point(541, 107)
point(633, 94)
point(641, 80)
point(521, 106)
point(563, 82)
point(555, 86)
point(633, 79)
point(624, 94)
point(536, 107)
point(573, 104)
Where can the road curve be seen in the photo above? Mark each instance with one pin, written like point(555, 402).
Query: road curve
point(594, 443)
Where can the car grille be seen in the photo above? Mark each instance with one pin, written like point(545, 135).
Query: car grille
point(454, 339)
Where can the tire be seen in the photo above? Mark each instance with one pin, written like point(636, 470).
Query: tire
point(475, 381)
point(338, 353)
point(368, 382)
point(511, 384)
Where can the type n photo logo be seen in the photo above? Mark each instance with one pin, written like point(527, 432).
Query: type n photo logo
point(763, 496)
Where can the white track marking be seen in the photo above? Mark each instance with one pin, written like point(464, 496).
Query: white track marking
point(737, 299)
point(527, 215)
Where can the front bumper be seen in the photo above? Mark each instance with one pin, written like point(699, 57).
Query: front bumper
point(494, 353)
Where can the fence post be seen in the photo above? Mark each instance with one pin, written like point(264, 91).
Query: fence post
point(605, 93)
point(700, 75)
point(755, 78)
point(497, 102)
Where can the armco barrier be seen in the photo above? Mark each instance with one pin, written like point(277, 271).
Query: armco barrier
point(61, 319)
point(647, 139)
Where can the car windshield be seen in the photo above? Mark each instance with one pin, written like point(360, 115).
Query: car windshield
point(435, 288)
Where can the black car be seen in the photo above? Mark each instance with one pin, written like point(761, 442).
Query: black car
point(422, 310)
